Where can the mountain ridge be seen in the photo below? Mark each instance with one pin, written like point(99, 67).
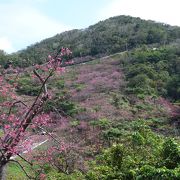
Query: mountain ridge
point(106, 37)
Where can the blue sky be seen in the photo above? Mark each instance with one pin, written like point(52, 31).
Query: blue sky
point(24, 22)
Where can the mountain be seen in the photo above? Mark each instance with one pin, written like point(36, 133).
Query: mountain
point(113, 35)
point(152, 64)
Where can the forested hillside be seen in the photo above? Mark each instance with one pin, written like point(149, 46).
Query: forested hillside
point(154, 71)
point(113, 35)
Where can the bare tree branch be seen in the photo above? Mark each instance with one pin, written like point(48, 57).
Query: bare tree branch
point(17, 102)
point(25, 159)
point(49, 134)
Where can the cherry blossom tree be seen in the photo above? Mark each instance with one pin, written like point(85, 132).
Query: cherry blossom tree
point(16, 116)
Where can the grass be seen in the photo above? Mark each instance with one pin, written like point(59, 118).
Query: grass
point(14, 171)
point(78, 87)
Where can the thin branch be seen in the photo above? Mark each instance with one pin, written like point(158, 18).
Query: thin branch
point(25, 159)
point(38, 75)
point(49, 134)
point(17, 102)
point(65, 114)
point(41, 79)
point(57, 111)
point(40, 91)
point(2, 153)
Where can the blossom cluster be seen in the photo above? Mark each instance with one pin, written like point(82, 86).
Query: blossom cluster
point(16, 116)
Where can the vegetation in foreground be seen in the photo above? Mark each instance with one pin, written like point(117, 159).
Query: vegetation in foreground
point(132, 151)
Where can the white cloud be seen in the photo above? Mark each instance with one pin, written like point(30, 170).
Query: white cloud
point(6, 44)
point(23, 25)
point(166, 11)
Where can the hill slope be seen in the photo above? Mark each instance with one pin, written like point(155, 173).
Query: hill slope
point(110, 36)
point(106, 115)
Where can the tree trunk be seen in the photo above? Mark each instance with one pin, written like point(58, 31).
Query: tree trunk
point(3, 172)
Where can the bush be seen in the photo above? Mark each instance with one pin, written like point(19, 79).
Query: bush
point(27, 86)
point(112, 134)
point(137, 139)
point(61, 103)
point(53, 175)
point(149, 172)
point(154, 72)
point(170, 154)
point(142, 154)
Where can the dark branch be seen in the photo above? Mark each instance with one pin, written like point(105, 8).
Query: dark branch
point(25, 159)
point(49, 134)
point(17, 102)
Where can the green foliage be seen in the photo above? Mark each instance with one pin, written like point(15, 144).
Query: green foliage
point(157, 122)
point(116, 155)
point(27, 86)
point(154, 72)
point(142, 154)
point(119, 101)
point(150, 172)
point(141, 84)
point(74, 123)
point(1, 133)
point(139, 154)
point(173, 87)
point(100, 172)
point(54, 175)
point(112, 133)
point(103, 123)
point(137, 139)
point(1, 99)
point(61, 103)
point(14, 171)
point(59, 84)
point(78, 87)
point(113, 35)
point(3, 59)
point(170, 154)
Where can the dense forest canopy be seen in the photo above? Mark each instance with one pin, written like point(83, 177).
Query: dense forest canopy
point(154, 71)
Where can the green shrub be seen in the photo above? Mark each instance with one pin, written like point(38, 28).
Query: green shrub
point(74, 123)
point(170, 154)
point(53, 175)
point(149, 172)
point(112, 133)
point(137, 139)
point(27, 86)
point(62, 104)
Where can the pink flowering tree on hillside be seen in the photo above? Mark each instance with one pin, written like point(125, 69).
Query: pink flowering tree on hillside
point(16, 116)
